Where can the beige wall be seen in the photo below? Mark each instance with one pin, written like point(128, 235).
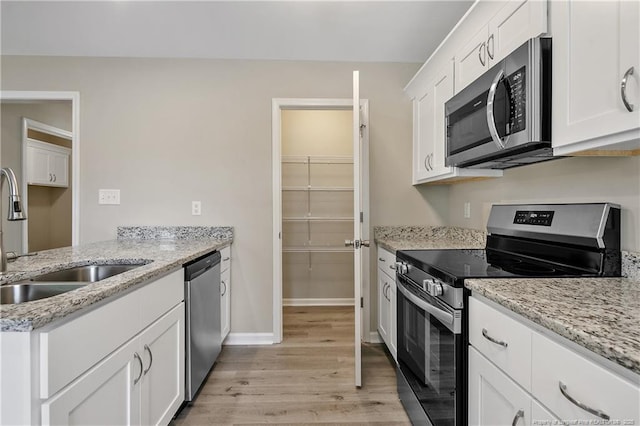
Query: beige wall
point(566, 180)
point(54, 113)
point(166, 132)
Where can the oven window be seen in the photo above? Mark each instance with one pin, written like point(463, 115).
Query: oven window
point(427, 355)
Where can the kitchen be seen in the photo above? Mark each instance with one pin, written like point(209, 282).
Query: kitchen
point(129, 107)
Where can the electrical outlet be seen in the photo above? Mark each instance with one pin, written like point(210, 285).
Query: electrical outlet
point(108, 196)
point(196, 208)
point(467, 210)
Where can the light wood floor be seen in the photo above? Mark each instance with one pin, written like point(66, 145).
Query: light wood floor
point(307, 379)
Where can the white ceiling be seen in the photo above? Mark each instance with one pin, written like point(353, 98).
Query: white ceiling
point(368, 31)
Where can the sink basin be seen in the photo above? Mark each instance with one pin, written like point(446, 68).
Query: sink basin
point(54, 283)
point(19, 293)
point(88, 273)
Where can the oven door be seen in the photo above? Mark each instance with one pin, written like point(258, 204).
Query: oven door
point(430, 356)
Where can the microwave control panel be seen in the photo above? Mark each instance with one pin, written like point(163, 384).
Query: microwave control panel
point(517, 88)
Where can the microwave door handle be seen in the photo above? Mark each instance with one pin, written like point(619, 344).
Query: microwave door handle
point(491, 120)
point(445, 317)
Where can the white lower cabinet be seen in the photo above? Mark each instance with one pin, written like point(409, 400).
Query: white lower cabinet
point(387, 300)
point(552, 383)
point(225, 291)
point(105, 394)
point(495, 399)
point(119, 363)
point(140, 383)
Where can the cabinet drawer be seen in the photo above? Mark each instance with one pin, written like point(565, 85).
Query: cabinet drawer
point(514, 358)
point(225, 260)
point(387, 262)
point(585, 381)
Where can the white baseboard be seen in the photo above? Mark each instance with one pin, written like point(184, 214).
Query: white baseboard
point(249, 339)
point(318, 302)
point(374, 337)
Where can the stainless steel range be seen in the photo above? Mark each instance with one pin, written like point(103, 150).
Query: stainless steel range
point(552, 240)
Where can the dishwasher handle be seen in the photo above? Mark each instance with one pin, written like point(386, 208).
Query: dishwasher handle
point(201, 265)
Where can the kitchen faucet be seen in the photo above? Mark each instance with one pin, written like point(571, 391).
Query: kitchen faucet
point(15, 209)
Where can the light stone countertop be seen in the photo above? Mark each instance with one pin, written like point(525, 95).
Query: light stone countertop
point(161, 256)
point(600, 314)
point(395, 238)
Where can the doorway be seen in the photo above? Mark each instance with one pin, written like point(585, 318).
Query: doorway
point(19, 109)
point(313, 205)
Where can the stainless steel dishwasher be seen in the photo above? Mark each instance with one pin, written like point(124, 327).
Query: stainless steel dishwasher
point(203, 334)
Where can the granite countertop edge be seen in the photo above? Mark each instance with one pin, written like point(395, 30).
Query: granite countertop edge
point(608, 345)
point(26, 317)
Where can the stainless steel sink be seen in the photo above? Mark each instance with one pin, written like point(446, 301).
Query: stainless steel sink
point(54, 283)
point(89, 273)
point(19, 293)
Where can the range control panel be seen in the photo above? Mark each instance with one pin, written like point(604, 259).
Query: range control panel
point(530, 217)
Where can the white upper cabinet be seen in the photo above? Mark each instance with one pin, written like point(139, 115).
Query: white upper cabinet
point(429, 133)
point(513, 24)
point(47, 164)
point(596, 47)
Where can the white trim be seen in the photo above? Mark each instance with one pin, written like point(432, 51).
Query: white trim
point(248, 339)
point(277, 105)
point(48, 129)
point(628, 139)
point(374, 337)
point(319, 302)
point(74, 97)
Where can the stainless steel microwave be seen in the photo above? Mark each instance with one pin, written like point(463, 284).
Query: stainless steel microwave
point(503, 118)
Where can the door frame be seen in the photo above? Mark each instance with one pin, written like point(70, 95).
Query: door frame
point(74, 98)
point(277, 106)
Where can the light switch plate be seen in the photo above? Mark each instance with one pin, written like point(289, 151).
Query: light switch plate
point(109, 196)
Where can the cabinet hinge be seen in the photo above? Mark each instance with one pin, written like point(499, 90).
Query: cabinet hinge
point(362, 302)
point(361, 217)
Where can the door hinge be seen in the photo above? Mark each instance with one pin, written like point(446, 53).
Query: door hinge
point(361, 217)
point(362, 302)
point(279, 235)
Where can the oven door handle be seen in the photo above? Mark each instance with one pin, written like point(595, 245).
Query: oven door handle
point(445, 317)
point(491, 120)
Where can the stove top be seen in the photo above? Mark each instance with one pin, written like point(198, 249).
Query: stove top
point(454, 266)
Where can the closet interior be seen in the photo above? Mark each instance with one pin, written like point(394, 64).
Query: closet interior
point(317, 207)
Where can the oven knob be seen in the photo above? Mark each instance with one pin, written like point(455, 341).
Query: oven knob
point(402, 268)
point(434, 288)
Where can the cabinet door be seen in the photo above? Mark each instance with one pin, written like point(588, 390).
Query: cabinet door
point(514, 24)
point(106, 394)
point(37, 166)
point(383, 307)
point(442, 92)
point(472, 59)
point(225, 302)
point(162, 350)
point(59, 169)
point(594, 45)
point(494, 399)
point(393, 320)
point(423, 124)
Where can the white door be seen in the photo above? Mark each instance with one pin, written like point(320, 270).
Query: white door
point(358, 243)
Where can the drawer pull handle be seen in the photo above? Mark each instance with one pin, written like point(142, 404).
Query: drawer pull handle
point(136, 356)
point(392, 267)
point(565, 393)
point(519, 414)
point(225, 287)
point(225, 259)
point(381, 259)
point(485, 333)
point(146, 348)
